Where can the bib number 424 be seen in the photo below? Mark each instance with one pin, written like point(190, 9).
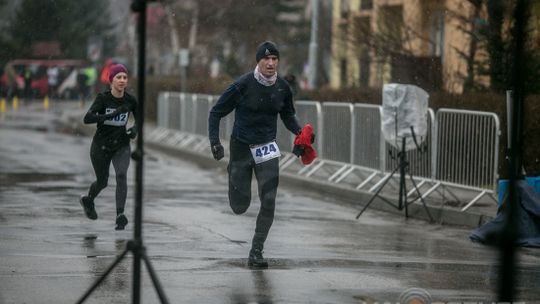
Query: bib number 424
point(265, 150)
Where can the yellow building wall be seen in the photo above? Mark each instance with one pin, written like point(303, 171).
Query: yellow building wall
point(416, 35)
point(343, 45)
point(453, 64)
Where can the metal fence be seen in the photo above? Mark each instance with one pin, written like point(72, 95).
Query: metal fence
point(460, 150)
point(468, 147)
point(368, 145)
point(338, 131)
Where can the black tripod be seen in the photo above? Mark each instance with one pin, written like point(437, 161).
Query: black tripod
point(136, 245)
point(403, 168)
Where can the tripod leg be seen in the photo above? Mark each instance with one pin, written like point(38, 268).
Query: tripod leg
point(403, 187)
point(155, 281)
point(403, 196)
point(403, 168)
point(102, 278)
point(421, 198)
point(376, 193)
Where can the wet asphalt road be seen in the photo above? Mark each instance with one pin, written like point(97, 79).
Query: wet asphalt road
point(318, 252)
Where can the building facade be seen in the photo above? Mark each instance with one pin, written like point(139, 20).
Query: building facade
point(423, 42)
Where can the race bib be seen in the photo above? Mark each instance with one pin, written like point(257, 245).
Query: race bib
point(265, 152)
point(119, 120)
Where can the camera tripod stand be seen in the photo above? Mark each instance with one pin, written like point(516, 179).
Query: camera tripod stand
point(136, 246)
point(403, 168)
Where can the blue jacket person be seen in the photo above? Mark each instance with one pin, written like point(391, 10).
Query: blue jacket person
point(257, 98)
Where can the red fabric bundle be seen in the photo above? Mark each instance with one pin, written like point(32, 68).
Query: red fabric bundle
point(304, 140)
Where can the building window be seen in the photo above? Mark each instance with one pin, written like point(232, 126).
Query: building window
point(343, 73)
point(437, 34)
point(366, 4)
point(365, 62)
point(345, 8)
point(391, 22)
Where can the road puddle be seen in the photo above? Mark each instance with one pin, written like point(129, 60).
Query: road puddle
point(12, 179)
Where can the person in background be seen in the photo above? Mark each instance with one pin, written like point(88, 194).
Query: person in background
point(52, 79)
point(110, 110)
point(257, 97)
point(12, 86)
point(81, 84)
point(27, 76)
point(104, 74)
point(90, 81)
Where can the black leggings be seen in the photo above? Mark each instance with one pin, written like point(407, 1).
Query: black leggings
point(241, 167)
point(101, 161)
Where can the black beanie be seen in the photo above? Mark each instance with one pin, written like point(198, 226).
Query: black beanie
point(266, 48)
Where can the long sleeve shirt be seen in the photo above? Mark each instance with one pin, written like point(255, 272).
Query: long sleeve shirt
point(256, 109)
point(111, 128)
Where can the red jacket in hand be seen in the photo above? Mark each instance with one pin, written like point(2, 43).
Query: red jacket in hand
point(304, 140)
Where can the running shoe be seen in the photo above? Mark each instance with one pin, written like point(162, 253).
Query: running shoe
point(88, 205)
point(121, 222)
point(256, 259)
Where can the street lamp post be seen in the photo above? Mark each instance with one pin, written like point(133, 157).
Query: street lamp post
point(312, 76)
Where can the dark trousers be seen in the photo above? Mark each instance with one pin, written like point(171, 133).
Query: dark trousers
point(101, 161)
point(241, 167)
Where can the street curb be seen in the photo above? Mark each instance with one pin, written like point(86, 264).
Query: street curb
point(345, 195)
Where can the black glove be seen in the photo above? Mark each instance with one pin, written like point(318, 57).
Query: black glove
point(298, 150)
point(102, 117)
point(218, 151)
point(132, 132)
point(123, 108)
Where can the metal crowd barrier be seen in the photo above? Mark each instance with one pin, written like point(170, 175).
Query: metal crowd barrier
point(350, 146)
point(459, 153)
point(468, 152)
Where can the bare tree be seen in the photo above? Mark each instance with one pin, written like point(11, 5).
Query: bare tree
point(230, 29)
point(391, 42)
point(471, 25)
point(497, 48)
